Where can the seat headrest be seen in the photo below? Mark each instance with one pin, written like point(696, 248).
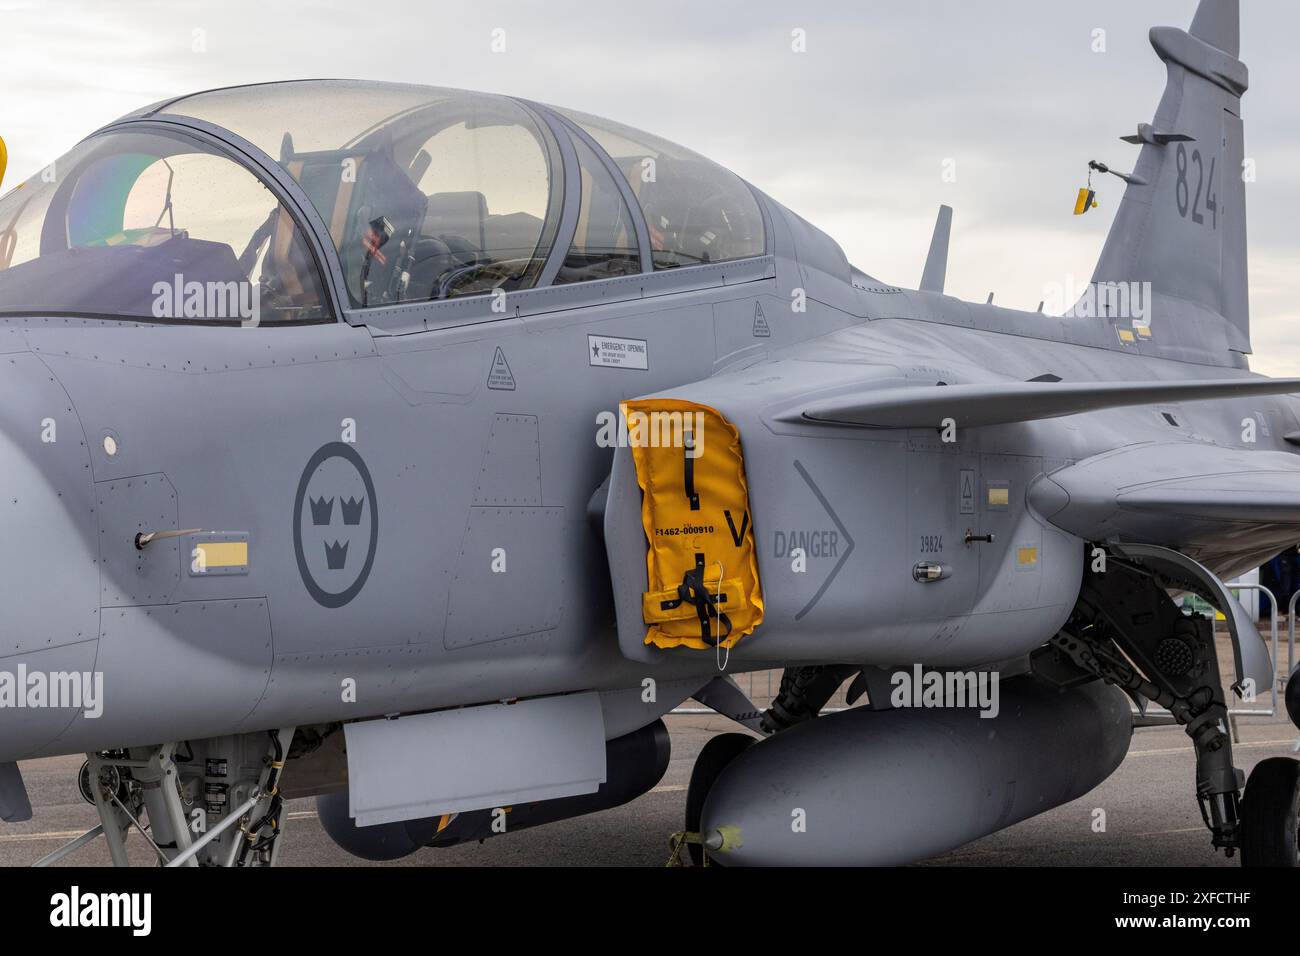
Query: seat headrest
point(456, 213)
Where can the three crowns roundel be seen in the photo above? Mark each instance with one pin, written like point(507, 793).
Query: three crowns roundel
point(335, 524)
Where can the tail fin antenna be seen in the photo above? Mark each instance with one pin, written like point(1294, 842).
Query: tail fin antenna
point(936, 262)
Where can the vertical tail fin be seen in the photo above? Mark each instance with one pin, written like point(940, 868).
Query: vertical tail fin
point(1182, 223)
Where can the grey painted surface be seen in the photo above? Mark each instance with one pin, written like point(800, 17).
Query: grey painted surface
point(475, 758)
point(234, 431)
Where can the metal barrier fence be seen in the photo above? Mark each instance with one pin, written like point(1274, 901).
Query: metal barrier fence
point(1290, 634)
point(1279, 681)
point(762, 686)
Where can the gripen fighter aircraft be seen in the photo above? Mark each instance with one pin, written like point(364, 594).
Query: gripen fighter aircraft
point(419, 450)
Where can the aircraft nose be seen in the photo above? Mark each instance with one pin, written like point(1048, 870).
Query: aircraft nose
point(49, 618)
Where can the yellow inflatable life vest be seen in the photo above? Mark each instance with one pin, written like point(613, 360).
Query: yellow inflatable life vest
point(701, 561)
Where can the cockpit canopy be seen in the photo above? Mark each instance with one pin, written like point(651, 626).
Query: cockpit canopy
point(424, 194)
point(153, 224)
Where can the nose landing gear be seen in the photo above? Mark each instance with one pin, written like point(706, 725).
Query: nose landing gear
point(218, 803)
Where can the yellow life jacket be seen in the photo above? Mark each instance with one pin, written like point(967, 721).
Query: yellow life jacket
point(701, 562)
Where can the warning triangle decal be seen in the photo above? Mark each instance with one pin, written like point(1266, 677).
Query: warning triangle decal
point(500, 376)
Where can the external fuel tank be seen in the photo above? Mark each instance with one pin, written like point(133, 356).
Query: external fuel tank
point(887, 787)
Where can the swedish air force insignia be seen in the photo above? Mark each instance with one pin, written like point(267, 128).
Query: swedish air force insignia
point(335, 524)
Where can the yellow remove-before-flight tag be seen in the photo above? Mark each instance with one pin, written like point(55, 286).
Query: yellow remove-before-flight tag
point(701, 558)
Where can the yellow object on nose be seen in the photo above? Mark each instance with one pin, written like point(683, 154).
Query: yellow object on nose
point(4, 160)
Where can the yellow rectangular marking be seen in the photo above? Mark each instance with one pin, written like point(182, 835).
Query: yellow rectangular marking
point(1143, 331)
point(999, 496)
point(224, 554)
point(1026, 556)
point(1126, 336)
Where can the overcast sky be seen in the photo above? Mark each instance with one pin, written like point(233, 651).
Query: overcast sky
point(852, 134)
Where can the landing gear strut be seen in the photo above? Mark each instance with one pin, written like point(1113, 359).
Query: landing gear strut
point(1127, 630)
point(210, 802)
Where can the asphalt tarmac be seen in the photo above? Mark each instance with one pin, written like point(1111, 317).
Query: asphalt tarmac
point(1151, 817)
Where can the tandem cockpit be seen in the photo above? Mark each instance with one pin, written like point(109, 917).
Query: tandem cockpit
point(296, 202)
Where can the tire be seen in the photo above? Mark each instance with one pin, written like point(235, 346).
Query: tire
point(1270, 814)
point(713, 759)
point(1293, 697)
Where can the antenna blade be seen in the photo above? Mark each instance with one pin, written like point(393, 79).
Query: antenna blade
point(936, 263)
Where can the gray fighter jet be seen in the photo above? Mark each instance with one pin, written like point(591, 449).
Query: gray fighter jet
point(421, 449)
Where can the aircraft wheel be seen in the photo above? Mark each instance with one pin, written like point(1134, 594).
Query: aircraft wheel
point(1293, 697)
point(713, 759)
point(1270, 814)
